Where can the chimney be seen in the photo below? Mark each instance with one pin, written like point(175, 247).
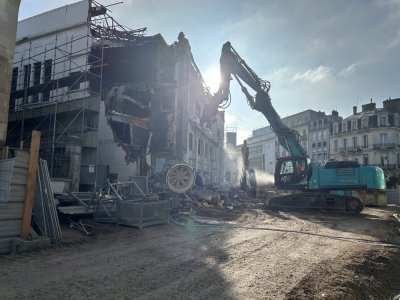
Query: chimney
point(369, 106)
point(335, 113)
point(354, 110)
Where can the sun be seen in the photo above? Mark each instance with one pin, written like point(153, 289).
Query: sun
point(212, 77)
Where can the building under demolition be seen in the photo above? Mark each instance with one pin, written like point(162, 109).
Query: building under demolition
point(108, 99)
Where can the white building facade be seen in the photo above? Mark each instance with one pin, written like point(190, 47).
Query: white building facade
point(371, 137)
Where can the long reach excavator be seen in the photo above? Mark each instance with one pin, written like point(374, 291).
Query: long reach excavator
point(334, 187)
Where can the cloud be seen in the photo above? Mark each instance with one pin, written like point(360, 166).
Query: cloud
point(279, 73)
point(348, 71)
point(313, 75)
point(129, 3)
point(396, 41)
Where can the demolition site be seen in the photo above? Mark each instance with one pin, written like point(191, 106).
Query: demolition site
point(119, 177)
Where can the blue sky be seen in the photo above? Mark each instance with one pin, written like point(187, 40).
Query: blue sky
point(319, 55)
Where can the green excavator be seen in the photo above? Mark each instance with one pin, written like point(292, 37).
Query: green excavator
point(337, 186)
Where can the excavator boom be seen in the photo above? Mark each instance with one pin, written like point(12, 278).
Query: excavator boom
point(231, 64)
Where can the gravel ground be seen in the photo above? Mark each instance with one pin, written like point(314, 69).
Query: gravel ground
point(247, 254)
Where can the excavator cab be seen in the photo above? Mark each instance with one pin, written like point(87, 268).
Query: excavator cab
point(292, 173)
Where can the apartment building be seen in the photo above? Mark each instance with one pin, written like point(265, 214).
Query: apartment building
point(370, 137)
point(319, 136)
point(262, 150)
point(299, 122)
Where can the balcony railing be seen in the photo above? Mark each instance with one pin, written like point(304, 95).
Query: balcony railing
point(384, 146)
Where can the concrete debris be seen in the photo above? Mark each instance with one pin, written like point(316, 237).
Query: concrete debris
point(232, 198)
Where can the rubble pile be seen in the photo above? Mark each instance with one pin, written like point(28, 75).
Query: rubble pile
point(232, 199)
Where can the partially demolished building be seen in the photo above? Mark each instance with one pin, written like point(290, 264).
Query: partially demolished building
point(108, 99)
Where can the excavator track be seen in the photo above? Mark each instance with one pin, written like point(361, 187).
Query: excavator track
point(317, 201)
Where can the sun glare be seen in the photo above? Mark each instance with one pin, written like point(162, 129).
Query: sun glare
point(211, 77)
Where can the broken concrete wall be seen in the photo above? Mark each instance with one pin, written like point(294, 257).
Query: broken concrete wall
point(110, 151)
point(153, 98)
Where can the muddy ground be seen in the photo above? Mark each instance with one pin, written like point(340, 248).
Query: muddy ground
point(247, 254)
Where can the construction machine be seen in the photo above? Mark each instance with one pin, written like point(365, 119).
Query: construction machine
point(334, 187)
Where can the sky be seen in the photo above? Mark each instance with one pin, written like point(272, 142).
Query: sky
point(320, 55)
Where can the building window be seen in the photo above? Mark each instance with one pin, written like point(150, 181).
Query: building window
point(344, 127)
point(199, 147)
point(364, 123)
point(324, 156)
point(336, 145)
point(335, 128)
point(14, 79)
point(325, 146)
point(319, 135)
point(190, 141)
point(365, 141)
point(47, 77)
point(383, 138)
point(344, 144)
point(383, 159)
point(27, 75)
point(354, 125)
point(354, 142)
point(37, 68)
point(314, 136)
point(365, 159)
point(319, 146)
point(75, 85)
point(382, 120)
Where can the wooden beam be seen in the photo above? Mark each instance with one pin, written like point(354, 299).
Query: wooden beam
point(30, 184)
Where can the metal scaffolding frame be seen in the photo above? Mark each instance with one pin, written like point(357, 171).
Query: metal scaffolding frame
point(71, 93)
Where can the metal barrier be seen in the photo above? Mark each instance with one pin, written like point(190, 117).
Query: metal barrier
point(142, 213)
point(121, 206)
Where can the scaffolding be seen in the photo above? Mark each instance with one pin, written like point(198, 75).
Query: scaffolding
point(58, 89)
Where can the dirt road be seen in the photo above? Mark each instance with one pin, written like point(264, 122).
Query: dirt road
point(251, 254)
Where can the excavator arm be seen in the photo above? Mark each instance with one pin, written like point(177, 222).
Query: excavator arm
point(231, 64)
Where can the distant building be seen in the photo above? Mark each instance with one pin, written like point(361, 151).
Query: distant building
point(231, 136)
point(370, 137)
point(299, 122)
point(233, 158)
point(319, 136)
point(262, 150)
